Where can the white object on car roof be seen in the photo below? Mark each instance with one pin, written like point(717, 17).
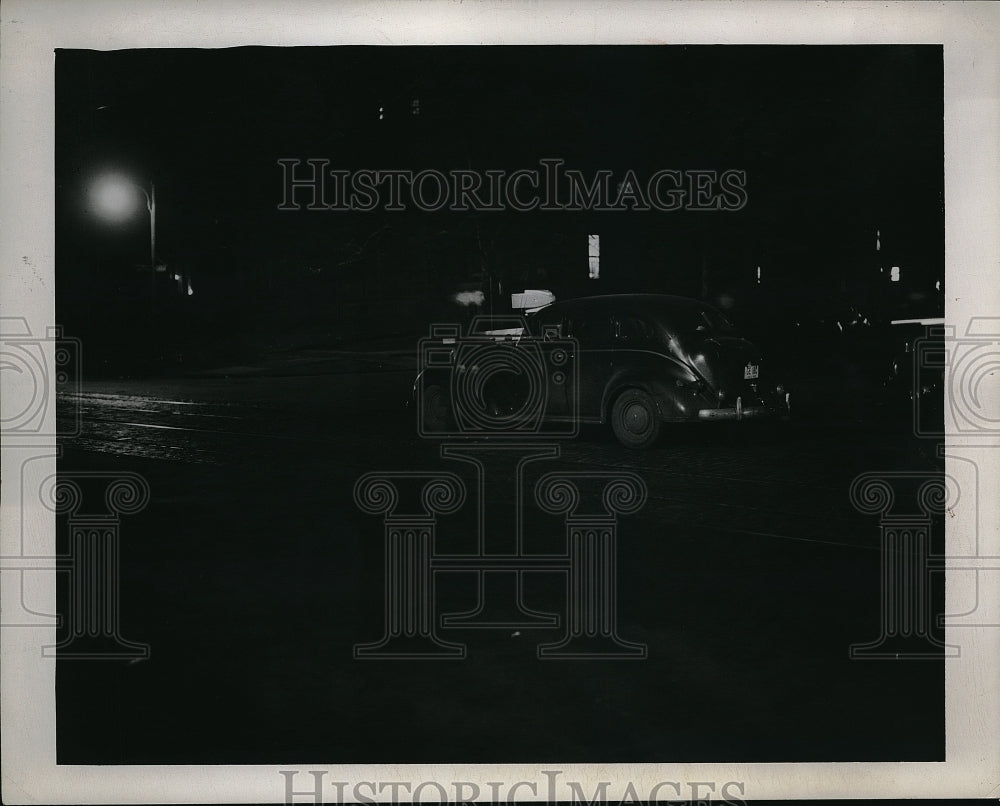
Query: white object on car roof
point(532, 299)
point(503, 333)
point(938, 320)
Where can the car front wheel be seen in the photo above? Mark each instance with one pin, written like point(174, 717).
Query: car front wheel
point(635, 420)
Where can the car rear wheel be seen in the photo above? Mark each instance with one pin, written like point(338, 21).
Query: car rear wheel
point(435, 410)
point(635, 420)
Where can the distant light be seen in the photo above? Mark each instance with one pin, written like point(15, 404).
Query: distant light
point(758, 275)
point(937, 285)
point(894, 274)
point(878, 240)
point(415, 106)
point(467, 298)
point(381, 113)
point(594, 257)
point(190, 291)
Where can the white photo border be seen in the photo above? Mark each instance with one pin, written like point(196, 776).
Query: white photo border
point(31, 30)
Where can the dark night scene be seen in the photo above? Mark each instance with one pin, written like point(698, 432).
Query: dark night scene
point(502, 404)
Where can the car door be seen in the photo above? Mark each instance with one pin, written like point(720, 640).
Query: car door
point(636, 354)
point(591, 364)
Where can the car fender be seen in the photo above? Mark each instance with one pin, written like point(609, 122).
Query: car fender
point(670, 388)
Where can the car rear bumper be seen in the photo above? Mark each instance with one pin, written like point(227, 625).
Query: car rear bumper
point(741, 412)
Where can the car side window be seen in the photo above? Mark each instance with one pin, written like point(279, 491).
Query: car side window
point(631, 331)
point(591, 331)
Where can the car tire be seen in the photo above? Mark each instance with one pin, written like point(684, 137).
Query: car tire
point(635, 419)
point(435, 411)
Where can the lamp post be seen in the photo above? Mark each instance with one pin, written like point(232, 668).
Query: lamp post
point(112, 198)
point(151, 206)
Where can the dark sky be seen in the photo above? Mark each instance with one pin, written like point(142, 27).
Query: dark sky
point(836, 141)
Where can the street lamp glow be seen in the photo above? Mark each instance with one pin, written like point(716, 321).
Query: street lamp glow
point(115, 198)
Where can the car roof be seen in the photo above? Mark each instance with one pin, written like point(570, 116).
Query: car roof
point(621, 302)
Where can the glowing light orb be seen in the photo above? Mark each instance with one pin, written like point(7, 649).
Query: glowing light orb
point(114, 198)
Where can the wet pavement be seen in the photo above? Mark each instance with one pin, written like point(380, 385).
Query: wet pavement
point(252, 574)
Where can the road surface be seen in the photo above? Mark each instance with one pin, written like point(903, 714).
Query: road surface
point(252, 574)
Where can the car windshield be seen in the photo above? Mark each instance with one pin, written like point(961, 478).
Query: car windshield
point(715, 322)
point(702, 319)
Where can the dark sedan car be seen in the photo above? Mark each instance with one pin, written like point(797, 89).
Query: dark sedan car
point(636, 361)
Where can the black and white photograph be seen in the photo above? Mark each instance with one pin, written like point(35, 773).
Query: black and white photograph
point(611, 409)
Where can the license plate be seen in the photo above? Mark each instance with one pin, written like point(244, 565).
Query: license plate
point(751, 371)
